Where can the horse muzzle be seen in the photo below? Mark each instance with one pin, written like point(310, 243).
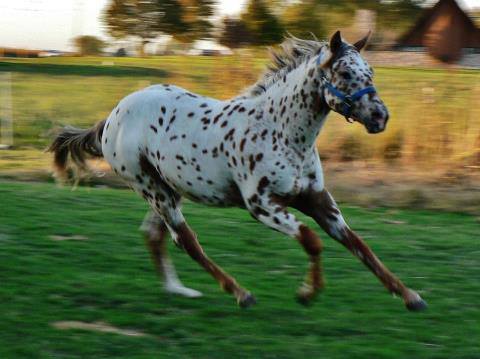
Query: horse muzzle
point(377, 123)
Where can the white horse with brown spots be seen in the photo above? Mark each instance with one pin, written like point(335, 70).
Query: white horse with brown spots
point(256, 151)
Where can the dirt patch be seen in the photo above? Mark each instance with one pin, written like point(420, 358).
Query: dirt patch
point(96, 327)
point(391, 221)
point(67, 237)
point(371, 184)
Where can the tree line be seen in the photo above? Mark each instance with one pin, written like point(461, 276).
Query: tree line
point(266, 22)
point(261, 22)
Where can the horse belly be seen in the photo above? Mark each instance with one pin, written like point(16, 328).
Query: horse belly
point(201, 180)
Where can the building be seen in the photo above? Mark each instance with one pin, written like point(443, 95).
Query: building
point(11, 52)
point(445, 31)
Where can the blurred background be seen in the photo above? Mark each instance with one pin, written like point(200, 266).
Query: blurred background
point(71, 61)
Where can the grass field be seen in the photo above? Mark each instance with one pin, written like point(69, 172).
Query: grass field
point(106, 276)
point(433, 112)
point(78, 256)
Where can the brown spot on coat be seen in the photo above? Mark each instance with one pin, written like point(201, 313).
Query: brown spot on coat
point(262, 184)
point(242, 144)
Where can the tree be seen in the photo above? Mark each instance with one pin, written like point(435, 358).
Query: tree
point(186, 20)
point(144, 19)
point(322, 17)
point(88, 45)
point(168, 16)
point(195, 20)
point(234, 33)
point(393, 14)
point(261, 23)
point(304, 18)
point(131, 18)
point(402, 13)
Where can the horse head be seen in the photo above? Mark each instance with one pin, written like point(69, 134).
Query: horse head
point(348, 85)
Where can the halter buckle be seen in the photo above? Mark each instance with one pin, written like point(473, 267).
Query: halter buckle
point(348, 101)
point(347, 105)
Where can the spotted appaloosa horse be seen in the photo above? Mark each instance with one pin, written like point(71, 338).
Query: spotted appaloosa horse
point(256, 151)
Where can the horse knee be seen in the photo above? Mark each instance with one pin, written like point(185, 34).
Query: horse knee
point(334, 226)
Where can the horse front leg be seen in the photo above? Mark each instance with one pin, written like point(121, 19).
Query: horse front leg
point(322, 208)
point(274, 215)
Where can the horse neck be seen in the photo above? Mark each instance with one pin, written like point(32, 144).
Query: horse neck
point(296, 108)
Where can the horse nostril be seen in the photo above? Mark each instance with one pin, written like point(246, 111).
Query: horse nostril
point(376, 115)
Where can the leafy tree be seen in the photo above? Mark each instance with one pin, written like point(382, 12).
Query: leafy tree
point(195, 20)
point(264, 27)
point(186, 20)
point(130, 18)
point(169, 16)
point(234, 33)
point(322, 17)
point(144, 19)
point(88, 45)
point(304, 18)
point(393, 14)
point(401, 13)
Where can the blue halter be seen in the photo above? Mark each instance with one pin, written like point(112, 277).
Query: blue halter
point(347, 100)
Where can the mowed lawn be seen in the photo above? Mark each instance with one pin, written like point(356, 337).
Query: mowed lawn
point(105, 275)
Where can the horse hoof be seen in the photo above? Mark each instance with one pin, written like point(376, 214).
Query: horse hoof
point(247, 300)
point(183, 291)
point(306, 295)
point(305, 300)
point(417, 306)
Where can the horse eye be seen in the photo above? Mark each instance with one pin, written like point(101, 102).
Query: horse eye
point(346, 75)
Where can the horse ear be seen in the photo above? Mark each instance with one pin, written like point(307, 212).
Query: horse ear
point(360, 44)
point(336, 42)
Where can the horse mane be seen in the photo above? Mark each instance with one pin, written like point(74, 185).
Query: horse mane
point(291, 53)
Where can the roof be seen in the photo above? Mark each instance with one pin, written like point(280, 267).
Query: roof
point(422, 25)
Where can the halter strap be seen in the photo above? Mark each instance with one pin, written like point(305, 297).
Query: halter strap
point(347, 100)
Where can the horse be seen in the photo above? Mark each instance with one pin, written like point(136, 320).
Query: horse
point(255, 151)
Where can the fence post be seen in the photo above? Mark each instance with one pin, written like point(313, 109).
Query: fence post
point(6, 113)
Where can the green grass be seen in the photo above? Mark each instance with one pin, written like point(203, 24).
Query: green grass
point(49, 93)
point(108, 277)
point(433, 112)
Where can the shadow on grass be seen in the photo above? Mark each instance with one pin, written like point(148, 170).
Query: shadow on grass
point(81, 70)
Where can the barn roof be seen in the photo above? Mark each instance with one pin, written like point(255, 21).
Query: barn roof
point(442, 7)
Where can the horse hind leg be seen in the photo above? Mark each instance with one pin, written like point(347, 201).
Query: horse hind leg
point(155, 232)
point(165, 203)
point(147, 182)
point(188, 241)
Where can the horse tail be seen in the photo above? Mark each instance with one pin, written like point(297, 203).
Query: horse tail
point(77, 143)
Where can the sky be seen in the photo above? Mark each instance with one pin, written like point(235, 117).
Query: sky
point(51, 24)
